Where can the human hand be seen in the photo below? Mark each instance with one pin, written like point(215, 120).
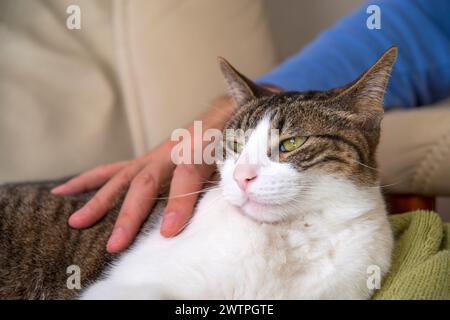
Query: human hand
point(143, 177)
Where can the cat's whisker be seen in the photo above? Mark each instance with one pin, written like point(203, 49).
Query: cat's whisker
point(187, 194)
point(387, 185)
point(189, 221)
point(365, 165)
point(211, 181)
point(207, 207)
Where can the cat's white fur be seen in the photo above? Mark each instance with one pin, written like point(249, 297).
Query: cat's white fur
point(294, 235)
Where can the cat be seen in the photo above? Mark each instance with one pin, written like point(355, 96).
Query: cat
point(306, 226)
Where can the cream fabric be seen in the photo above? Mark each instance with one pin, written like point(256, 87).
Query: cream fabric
point(60, 107)
point(72, 99)
point(168, 52)
point(414, 152)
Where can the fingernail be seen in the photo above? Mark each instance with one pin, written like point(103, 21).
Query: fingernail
point(60, 189)
point(73, 220)
point(57, 189)
point(169, 223)
point(116, 236)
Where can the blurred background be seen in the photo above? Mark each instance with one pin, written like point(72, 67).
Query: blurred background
point(72, 98)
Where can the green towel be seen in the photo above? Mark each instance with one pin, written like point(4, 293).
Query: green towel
point(421, 258)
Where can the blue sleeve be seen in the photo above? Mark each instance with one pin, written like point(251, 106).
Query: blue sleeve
point(419, 28)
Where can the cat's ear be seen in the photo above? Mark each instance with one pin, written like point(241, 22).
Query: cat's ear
point(366, 94)
point(241, 88)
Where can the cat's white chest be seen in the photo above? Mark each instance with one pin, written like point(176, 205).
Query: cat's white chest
point(221, 254)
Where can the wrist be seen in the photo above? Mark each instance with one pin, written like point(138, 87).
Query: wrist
point(216, 117)
point(222, 108)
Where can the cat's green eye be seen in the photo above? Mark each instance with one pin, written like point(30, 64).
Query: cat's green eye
point(235, 146)
point(291, 144)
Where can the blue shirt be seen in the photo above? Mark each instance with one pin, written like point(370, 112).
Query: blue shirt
point(419, 28)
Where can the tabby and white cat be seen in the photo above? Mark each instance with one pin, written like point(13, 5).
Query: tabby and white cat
point(305, 227)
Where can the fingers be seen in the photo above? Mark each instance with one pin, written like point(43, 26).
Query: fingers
point(135, 209)
point(187, 181)
point(104, 199)
point(89, 180)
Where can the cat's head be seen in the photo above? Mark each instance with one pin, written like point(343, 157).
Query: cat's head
point(326, 146)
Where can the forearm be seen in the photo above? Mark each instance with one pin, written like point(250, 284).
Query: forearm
point(219, 113)
point(222, 109)
point(419, 28)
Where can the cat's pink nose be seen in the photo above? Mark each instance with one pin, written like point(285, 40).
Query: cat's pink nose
point(244, 174)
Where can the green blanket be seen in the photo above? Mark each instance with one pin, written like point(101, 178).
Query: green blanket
point(421, 258)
